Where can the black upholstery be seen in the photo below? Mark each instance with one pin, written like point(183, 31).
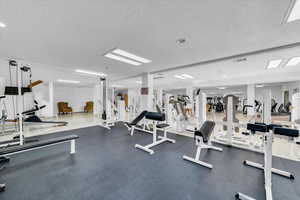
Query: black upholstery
point(28, 146)
point(269, 126)
point(155, 116)
point(205, 130)
point(33, 110)
point(162, 125)
point(257, 127)
point(286, 132)
point(137, 119)
point(273, 126)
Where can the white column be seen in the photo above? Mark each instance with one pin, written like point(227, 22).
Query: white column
point(250, 99)
point(20, 105)
point(200, 111)
point(168, 108)
point(147, 92)
point(159, 97)
point(267, 107)
point(96, 99)
point(51, 99)
point(189, 92)
point(296, 107)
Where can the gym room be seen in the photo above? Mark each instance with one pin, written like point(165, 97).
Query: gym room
point(149, 100)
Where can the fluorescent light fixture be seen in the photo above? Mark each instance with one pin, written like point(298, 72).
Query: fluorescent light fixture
point(259, 86)
point(131, 56)
point(187, 76)
point(139, 82)
point(293, 61)
point(294, 12)
point(116, 86)
point(221, 88)
point(237, 93)
point(119, 58)
point(274, 64)
point(90, 72)
point(2, 25)
point(67, 81)
point(180, 77)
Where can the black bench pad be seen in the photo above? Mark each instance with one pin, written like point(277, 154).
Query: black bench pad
point(156, 116)
point(257, 127)
point(162, 125)
point(286, 132)
point(138, 118)
point(28, 146)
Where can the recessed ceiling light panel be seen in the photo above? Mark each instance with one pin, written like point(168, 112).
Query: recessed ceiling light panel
point(293, 61)
point(180, 77)
point(274, 64)
point(122, 59)
point(221, 88)
point(67, 81)
point(90, 72)
point(131, 56)
point(294, 12)
point(259, 86)
point(2, 25)
point(187, 76)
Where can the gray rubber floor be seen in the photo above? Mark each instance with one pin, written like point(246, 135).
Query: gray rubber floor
point(108, 167)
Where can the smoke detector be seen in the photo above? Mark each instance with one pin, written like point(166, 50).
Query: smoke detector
point(181, 41)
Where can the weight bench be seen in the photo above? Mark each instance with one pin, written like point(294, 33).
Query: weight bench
point(134, 124)
point(156, 117)
point(37, 145)
point(202, 138)
point(268, 132)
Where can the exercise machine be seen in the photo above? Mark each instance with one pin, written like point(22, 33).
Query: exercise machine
point(202, 138)
point(30, 116)
point(268, 132)
point(155, 118)
point(231, 127)
point(133, 125)
point(3, 115)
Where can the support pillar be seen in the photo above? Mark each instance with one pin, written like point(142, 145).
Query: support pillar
point(51, 99)
point(251, 99)
point(159, 96)
point(97, 99)
point(147, 92)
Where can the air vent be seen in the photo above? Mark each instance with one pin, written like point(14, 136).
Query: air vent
point(241, 60)
point(158, 77)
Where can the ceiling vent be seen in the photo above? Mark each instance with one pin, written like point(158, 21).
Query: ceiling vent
point(241, 60)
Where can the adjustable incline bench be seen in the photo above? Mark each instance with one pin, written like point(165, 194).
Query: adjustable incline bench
point(134, 124)
point(37, 145)
point(156, 117)
point(202, 138)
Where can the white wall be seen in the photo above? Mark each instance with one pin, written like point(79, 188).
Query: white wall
point(75, 96)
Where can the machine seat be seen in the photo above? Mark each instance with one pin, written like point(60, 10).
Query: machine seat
point(162, 126)
point(286, 132)
point(205, 131)
point(156, 116)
